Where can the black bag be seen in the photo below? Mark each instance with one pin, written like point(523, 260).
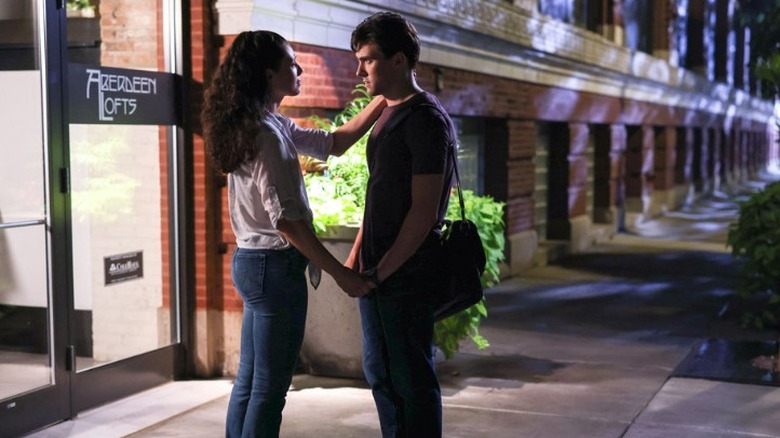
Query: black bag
point(463, 255)
point(463, 264)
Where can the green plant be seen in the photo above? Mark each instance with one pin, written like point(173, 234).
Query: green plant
point(755, 240)
point(77, 5)
point(768, 70)
point(762, 17)
point(337, 193)
point(337, 189)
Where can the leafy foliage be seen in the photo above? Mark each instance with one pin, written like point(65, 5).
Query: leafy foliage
point(769, 71)
point(755, 240)
point(77, 5)
point(337, 191)
point(763, 18)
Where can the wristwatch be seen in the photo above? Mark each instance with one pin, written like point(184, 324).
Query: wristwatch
point(370, 274)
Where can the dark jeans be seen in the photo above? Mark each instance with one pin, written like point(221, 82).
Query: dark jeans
point(398, 361)
point(272, 285)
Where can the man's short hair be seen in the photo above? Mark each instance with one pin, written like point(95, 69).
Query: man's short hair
point(391, 32)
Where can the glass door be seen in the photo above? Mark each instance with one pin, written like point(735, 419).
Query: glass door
point(89, 205)
point(122, 112)
point(34, 383)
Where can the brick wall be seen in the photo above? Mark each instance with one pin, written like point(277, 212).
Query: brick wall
point(520, 175)
point(617, 158)
point(648, 158)
point(127, 31)
point(665, 142)
point(662, 27)
point(578, 168)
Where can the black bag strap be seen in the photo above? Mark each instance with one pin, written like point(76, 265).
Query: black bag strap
point(453, 152)
point(396, 120)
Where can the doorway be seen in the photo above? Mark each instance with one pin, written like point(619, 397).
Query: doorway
point(90, 218)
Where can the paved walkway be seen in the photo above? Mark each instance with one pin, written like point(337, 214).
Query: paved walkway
point(588, 347)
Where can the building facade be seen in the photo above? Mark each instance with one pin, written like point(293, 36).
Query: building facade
point(584, 117)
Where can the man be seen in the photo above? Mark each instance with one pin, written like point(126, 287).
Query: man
point(397, 247)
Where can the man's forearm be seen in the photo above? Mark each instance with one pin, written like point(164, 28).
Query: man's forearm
point(414, 230)
point(419, 220)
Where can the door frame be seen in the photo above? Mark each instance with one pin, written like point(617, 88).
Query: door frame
point(71, 391)
point(121, 378)
point(51, 403)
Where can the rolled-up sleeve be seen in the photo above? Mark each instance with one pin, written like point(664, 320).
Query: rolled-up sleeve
point(278, 177)
point(315, 143)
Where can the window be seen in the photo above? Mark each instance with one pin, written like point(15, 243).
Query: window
point(581, 13)
point(471, 163)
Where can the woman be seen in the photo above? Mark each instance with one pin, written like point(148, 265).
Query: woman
point(257, 147)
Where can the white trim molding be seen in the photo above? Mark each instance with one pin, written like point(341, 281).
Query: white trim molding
point(233, 16)
point(502, 39)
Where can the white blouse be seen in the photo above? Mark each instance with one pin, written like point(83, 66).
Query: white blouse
point(270, 187)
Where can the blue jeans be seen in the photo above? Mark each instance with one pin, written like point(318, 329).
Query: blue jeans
point(398, 362)
point(272, 285)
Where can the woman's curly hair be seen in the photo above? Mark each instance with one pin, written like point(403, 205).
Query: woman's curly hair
point(237, 96)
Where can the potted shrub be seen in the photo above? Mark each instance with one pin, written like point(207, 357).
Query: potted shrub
point(755, 238)
point(755, 241)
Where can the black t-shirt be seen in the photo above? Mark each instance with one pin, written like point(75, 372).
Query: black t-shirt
point(418, 145)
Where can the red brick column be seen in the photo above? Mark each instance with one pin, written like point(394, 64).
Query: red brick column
point(618, 171)
point(739, 57)
point(716, 156)
point(695, 51)
point(745, 154)
point(635, 145)
point(648, 160)
point(665, 143)
point(520, 188)
point(736, 142)
point(721, 43)
point(755, 151)
point(727, 159)
point(663, 25)
point(641, 162)
point(520, 174)
point(579, 220)
point(684, 165)
point(750, 151)
point(578, 169)
point(704, 182)
point(690, 140)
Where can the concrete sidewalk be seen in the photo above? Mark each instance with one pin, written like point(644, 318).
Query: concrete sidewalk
point(584, 348)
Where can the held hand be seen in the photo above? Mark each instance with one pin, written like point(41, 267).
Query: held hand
point(368, 280)
point(352, 283)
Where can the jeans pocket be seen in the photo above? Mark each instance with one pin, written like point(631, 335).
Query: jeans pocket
point(248, 272)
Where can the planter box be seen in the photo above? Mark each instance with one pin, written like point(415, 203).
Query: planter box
point(333, 342)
